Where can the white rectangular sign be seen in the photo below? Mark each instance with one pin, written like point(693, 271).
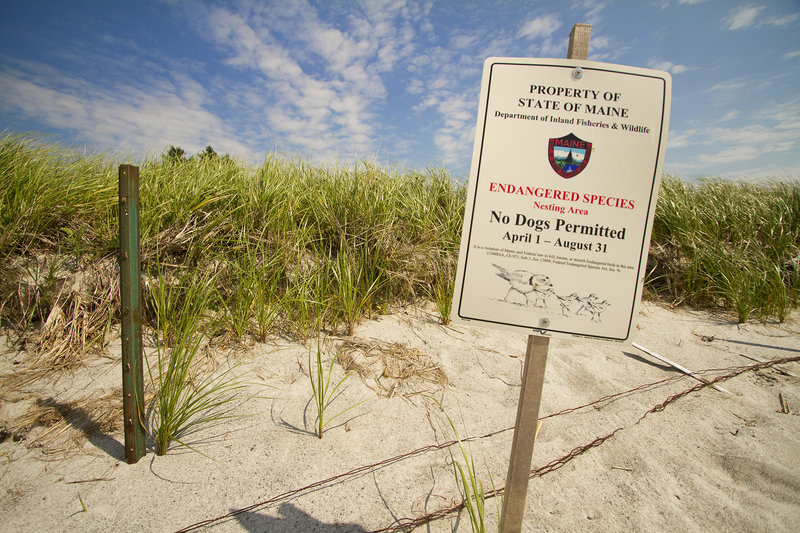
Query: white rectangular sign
point(563, 185)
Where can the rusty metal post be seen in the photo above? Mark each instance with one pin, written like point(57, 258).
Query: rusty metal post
point(130, 293)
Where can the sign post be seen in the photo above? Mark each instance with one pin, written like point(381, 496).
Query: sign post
point(564, 179)
point(519, 467)
point(131, 303)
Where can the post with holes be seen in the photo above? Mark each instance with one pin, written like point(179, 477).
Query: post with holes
point(131, 301)
point(530, 395)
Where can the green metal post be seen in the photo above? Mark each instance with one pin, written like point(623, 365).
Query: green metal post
point(130, 292)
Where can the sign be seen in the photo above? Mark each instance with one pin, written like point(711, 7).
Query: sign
point(565, 174)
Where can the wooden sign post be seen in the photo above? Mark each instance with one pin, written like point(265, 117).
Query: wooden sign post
point(530, 395)
point(519, 466)
point(563, 185)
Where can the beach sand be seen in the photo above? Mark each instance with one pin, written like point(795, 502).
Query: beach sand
point(706, 461)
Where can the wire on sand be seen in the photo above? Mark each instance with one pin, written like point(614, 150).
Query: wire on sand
point(408, 524)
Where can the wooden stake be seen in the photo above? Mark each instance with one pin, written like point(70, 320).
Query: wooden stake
point(130, 295)
point(579, 41)
point(530, 395)
point(519, 467)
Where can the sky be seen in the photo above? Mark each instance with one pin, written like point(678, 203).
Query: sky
point(396, 82)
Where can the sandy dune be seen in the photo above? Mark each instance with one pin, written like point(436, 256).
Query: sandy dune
point(707, 461)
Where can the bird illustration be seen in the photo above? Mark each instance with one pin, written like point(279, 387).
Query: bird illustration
point(542, 292)
point(595, 308)
point(586, 303)
point(526, 283)
point(569, 304)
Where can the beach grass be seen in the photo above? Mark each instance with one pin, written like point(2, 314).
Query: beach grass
point(730, 244)
point(467, 477)
point(297, 248)
point(325, 391)
point(187, 394)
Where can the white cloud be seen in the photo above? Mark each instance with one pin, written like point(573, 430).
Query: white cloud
point(605, 48)
point(669, 66)
point(678, 139)
point(731, 154)
point(730, 86)
point(463, 41)
point(730, 115)
point(743, 17)
point(783, 21)
point(590, 10)
point(447, 100)
point(544, 30)
point(599, 42)
point(144, 120)
point(328, 90)
point(540, 27)
point(769, 135)
point(555, 48)
point(750, 16)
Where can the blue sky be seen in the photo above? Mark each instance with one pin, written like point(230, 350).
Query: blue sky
point(396, 81)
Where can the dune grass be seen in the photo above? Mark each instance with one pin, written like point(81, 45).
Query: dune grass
point(729, 244)
point(324, 391)
point(295, 247)
point(187, 395)
point(467, 477)
point(295, 250)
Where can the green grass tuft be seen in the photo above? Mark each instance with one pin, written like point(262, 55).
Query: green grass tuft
point(324, 391)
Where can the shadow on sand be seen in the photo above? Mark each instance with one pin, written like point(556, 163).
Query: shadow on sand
point(83, 421)
point(291, 519)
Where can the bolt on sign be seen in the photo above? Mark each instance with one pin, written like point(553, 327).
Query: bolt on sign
point(565, 175)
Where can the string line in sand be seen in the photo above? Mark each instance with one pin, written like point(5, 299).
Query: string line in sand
point(408, 524)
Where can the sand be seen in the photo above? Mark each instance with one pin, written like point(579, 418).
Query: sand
point(707, 461)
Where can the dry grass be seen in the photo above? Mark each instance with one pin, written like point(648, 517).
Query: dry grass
point(72, 309)
point(61, 429)
point(65, 310)
point(392, 368)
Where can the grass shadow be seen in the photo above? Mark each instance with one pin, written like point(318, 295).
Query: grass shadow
point(758, 344)
point(289, 520)
point(81, 420)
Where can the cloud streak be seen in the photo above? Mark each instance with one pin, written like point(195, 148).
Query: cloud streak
point(749, 16)
point(766, 135)
point(668, 66)
point(138, 119)
point(743, 17)
point(323, 98)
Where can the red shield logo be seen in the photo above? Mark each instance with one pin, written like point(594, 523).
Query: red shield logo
point(568, 155)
